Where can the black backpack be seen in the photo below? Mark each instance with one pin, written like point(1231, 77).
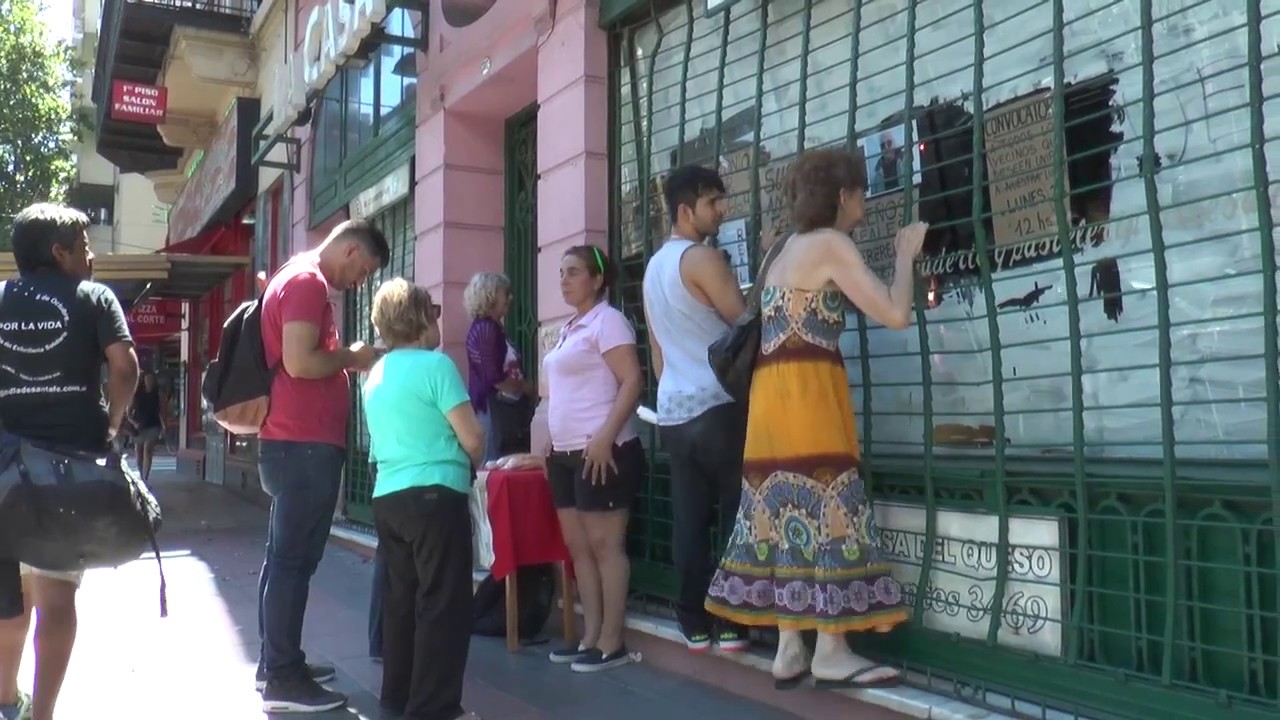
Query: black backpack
point(237, 385)
point(536, 598)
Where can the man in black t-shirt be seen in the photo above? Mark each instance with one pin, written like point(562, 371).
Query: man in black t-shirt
point(56, 329)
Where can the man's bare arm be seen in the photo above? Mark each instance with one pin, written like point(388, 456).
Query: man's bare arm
point(122, 383)
point(303, 357)
point(705, 269)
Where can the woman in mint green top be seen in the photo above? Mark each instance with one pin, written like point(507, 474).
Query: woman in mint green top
point(424, 439)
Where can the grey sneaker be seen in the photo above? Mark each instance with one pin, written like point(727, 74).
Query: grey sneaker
point(319, 673)
point(299, 695)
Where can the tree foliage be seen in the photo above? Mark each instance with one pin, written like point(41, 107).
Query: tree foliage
point(38, 125)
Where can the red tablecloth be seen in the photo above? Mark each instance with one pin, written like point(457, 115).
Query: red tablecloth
point(526, 530)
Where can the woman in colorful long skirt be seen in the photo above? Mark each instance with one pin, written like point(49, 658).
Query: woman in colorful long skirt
point(804, 553)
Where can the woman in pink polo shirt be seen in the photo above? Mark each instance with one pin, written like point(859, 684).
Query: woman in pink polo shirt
point(596, 461)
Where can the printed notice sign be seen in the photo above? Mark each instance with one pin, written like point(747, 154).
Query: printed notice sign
point(1020, 169)
point(959, 593)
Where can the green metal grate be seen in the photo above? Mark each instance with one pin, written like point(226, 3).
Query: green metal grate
point(520, 235)
point(1092, 378)
point(396, 222)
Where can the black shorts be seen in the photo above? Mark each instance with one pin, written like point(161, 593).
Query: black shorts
point(571, 490)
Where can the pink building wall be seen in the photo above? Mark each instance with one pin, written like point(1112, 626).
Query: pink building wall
point(302, 237)
point(559, 63)
point(460, 156)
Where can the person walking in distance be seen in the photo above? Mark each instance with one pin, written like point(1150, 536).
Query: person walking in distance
point(691, 296)
point(56, 329)
point(302, 448)
point(148, 420)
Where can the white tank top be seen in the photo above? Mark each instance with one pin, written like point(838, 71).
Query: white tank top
point(685, 328)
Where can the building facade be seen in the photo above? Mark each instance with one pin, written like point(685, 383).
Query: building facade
point(477, 145)
point(1074, 449)
point(176, 100)
point(126, 215)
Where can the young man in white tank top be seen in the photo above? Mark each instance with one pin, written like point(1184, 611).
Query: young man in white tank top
point(691, 297)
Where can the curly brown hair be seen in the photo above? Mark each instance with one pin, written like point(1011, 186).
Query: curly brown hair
point(402, 312)
point(814, 183)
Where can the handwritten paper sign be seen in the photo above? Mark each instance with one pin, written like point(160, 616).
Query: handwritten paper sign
point(733, 240)
point(885, 215)
point(775, 216)
point(735, 170)
point(960, 590)
point(1020, 169)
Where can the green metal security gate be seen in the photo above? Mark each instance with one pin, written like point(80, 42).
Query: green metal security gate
point(396, 222)
point(520, 235)
point(1076, 450)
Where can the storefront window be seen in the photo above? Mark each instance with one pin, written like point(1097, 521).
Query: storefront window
point(328, 139)
point(398, 67)
point(368, 97)
point(1093, 344)
point(360, 106)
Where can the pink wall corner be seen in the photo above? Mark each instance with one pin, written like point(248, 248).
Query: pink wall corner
point(576, 48)
point(573, 198)
point(454, 322)
point(459, 206)
point(573, 189)
point(428, 144)
point(475, 139)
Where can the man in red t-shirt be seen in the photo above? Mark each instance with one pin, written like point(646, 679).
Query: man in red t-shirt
point(302, 448)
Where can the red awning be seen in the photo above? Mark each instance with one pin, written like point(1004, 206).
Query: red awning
point(228, 238)
point(198, 245)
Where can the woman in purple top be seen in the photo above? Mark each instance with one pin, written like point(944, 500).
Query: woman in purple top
point(492, 367)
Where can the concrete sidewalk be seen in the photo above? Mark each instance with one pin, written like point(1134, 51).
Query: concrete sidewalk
point(198, 664)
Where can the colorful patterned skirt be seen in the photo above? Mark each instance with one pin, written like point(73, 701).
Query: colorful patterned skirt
point(804, 553)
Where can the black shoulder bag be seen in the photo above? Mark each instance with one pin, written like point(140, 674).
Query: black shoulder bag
point(733, 356)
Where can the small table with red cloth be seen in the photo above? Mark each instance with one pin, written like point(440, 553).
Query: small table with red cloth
point(526, 531)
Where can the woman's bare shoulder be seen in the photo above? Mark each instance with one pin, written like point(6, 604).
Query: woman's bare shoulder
point(802, 262)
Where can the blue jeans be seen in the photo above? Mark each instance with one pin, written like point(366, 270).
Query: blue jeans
point(375, 602)
point(492, 443)
point(302, 479)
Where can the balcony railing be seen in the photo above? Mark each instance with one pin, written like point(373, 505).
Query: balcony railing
point(238, 8)
point(194, 12)
point(150, 23)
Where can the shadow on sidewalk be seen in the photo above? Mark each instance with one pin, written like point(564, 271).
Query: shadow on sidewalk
point(199, 662)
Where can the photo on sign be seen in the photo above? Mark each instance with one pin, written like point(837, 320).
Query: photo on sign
point(886, 158)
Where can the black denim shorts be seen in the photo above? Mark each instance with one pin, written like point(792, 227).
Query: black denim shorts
point(571, 489)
